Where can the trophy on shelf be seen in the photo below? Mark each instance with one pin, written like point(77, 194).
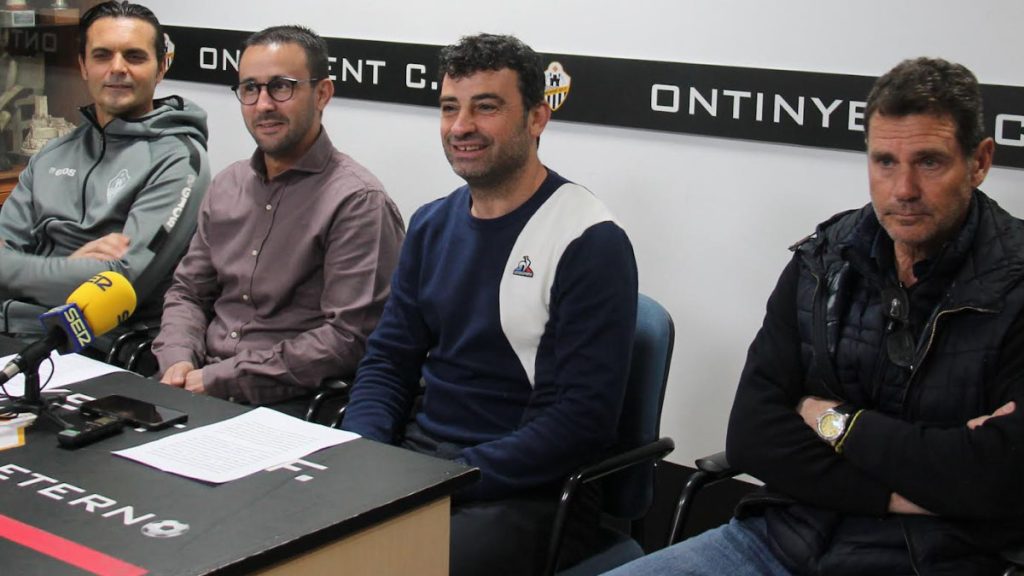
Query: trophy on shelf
point(43, 128)
point(17, 14)
point(7, 113)
point(58, 14)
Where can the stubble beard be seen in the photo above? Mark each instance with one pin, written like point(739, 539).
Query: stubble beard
point(508, 162)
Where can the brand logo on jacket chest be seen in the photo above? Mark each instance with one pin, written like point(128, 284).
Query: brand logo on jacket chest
point(524, 268)
point(69, 172)
point(117, 184)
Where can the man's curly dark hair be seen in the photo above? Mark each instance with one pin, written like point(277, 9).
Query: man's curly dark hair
point(495, 52)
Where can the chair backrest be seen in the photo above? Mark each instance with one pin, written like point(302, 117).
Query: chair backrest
point(628, 494)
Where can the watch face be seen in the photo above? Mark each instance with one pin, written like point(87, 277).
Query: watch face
point(831, 424)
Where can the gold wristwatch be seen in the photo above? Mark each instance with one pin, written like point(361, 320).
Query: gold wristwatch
point(832, 423)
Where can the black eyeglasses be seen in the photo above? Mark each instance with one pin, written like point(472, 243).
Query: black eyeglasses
point(280, 89)
point(899, 342)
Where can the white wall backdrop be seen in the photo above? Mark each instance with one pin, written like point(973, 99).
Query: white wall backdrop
point(710, 218)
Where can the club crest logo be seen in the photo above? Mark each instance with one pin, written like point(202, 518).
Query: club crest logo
point(523, 268)
point(556, 85)
point(117, 183)
point(169, 54)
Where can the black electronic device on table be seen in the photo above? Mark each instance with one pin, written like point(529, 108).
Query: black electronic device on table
point(136, 412)
point(84, 430)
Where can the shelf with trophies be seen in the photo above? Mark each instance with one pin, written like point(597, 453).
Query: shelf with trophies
point(40, 84)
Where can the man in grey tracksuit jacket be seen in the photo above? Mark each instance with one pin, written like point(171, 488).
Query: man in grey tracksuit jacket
point(141, 177)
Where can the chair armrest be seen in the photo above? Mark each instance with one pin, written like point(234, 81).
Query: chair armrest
point(710, 469)
point(141, 360)
point(328, 390)
point(718, 465)
point(651, 452)
point(122, 342)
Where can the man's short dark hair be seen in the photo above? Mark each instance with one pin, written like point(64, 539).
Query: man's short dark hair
point(311, 42)
point(931, 86)
point(495, 52)
point(115, 9)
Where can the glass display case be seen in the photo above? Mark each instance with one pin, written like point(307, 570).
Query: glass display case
point(40, 85)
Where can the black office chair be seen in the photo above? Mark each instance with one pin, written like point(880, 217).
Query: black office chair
point(130, 349)
point(710, 469)
point(626, 476)
point(331, 392)
point(715, 468)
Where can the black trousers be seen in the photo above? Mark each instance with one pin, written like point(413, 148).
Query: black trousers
point(510, 537)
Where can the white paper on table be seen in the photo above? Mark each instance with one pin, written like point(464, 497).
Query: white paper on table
point(67, 369)
point(237, 447)
point(12, 431)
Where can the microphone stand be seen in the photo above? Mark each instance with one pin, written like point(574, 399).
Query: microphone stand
point(33, 391)
point(33, 400)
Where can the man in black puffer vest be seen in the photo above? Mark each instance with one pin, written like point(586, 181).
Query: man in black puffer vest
point(879, 402)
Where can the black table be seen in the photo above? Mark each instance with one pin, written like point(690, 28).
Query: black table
point(358, 508)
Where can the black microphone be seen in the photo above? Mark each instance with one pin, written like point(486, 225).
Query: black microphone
point(34, 353)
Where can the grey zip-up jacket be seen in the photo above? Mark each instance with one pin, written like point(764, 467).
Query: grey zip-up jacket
point(140, 177)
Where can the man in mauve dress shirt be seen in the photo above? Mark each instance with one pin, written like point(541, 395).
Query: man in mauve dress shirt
point(290, 267)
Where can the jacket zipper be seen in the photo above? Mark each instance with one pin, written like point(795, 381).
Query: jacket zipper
point(931, 338)
point(819, 335)
point(85, 182)
point(824, 337)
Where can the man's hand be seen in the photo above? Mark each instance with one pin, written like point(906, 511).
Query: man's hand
point(810, 407)
point(194, 382)
point(176, 373)
point(113, 246)
point(900, 505)
point(1003, 410)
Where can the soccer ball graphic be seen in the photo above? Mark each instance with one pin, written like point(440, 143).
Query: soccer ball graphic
point(165, 529)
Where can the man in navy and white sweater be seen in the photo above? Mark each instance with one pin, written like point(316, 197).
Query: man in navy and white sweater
point(514, 303)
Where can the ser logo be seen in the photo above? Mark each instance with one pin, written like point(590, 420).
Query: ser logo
point(101, 282)
point(77, 324)
point(69, 172)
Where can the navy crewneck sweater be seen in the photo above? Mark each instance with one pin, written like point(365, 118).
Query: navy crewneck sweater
point(520, 327)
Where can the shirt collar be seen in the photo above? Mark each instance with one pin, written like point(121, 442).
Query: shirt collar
point(313, 161)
